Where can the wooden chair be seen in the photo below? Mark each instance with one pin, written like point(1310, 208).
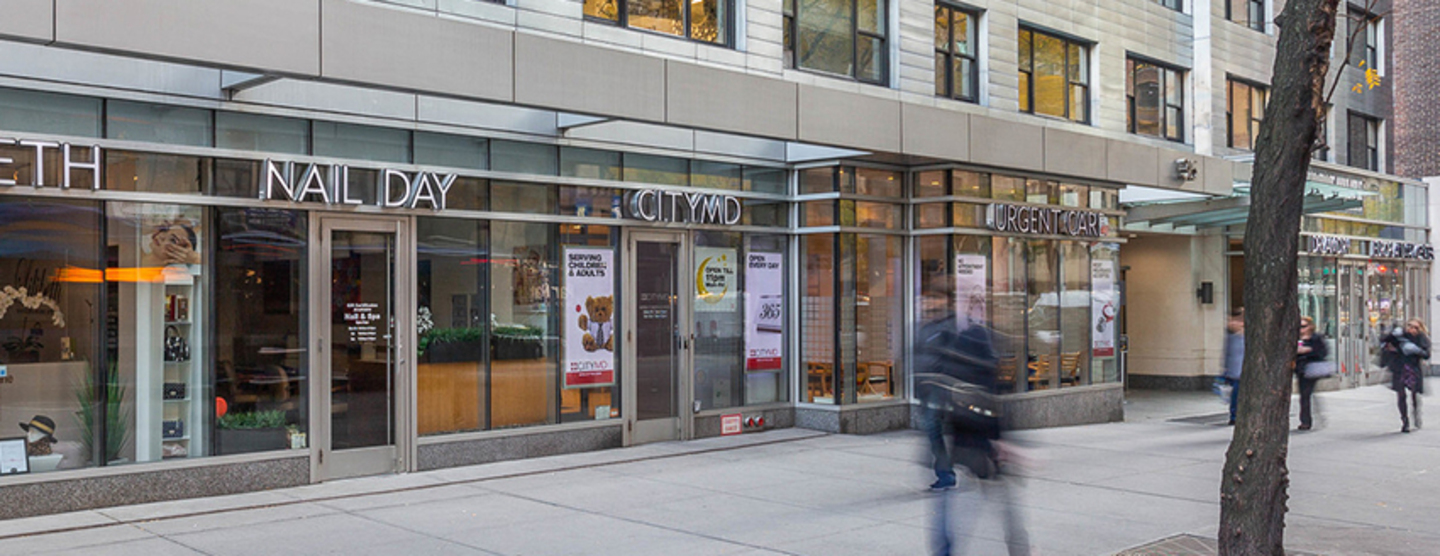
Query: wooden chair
point(876, 372)
point(1070, 367)
point(1040, 372)
point(1005, 372)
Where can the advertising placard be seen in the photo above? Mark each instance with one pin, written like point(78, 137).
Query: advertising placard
point(1104, 306)
point(715, 279)
point(970, 280)
point(764, 311)
point(589, 324)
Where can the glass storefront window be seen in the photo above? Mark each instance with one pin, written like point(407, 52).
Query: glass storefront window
point(361, 142)
point(879, 313)
point(1072, 195)
point(1074, 309)
point(261, 361)
point(1043, 192)
point(1043, 315)
point(42, 112)
point(589, 163)
point(1105, 308)
point(969, 215)
point(580, 399)
point(469, 194)
point(879, 183)
point(257, 132)
point(56, 373)
point(765, 213)
point(714, 175)
point(818, 213)
point(877, 215)
point(528, 198)
point(971, 184)
point(765, 180)
point(524, 364)
point(455, 151)
point(663, 170)
point(591, 201)
point(156, 173)
point(156, 275)
point(817, 180)
point(158, 123)
point(931, 184)
point(1007, 188)
point(932, 215)
point(236, 178)
point(452, 325)
point(719, 316)
point(1008, 308)
point(818, 317)
point(524, 158)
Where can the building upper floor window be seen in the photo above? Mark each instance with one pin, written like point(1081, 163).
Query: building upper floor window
point(1363, 141)
point(707, 21)
point(1054, 76)
point(1172, 4)
point(1155, 100)
point(1250, 13)
point(956, 69)
point(1364, 37)
point(1243, 112)
point(842, 37)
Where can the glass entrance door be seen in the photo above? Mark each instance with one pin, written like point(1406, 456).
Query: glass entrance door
point(658, 336)
point(360, 368)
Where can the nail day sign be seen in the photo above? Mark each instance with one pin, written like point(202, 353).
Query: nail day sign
point(331, 185)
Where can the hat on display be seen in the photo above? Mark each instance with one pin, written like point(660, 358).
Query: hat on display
point(43, 424)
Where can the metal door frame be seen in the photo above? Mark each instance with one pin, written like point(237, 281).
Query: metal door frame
point(684, 425)
point(396, 457)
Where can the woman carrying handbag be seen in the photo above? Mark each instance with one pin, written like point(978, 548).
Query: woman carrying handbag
point(1404, 353)
point(1310, 366)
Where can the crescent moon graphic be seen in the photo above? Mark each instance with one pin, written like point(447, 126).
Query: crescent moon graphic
point(701, 291)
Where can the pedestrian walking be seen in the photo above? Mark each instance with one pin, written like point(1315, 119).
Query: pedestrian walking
point(1234, 356)
point(1310, 366)
point(1403, 352)
point(956, 379)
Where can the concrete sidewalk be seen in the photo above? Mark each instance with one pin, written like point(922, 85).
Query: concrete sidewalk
point(1358, 487)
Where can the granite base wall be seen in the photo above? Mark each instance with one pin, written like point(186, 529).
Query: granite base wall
point(708, 426)
point(1058, 408)
point(85, 493)
point(855, 419)
point(1169, 382)
point(520, 446)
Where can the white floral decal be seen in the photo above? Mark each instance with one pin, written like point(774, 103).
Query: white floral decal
point(10, 294)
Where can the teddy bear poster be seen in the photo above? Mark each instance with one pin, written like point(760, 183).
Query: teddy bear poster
point(589, 324)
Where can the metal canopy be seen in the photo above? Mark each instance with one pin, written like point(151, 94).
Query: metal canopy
point(1218, 213)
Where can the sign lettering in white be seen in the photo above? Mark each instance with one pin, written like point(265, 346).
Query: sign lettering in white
point(1045, 220)
point(1328, 245)
point(1401, 250)
point(654, 205)
point(331, 185)
point(68, 163)
point(764, 311)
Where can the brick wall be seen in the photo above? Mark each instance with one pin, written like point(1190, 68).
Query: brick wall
point(1417, 78)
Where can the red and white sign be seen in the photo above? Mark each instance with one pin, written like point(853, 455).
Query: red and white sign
point(730, 424)
point(1104, 304)
point(764, 311)
point(589, 321)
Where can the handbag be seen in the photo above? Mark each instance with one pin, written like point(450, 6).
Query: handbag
point(177, 348)
point(174, 390)
point(172, 429)
point(971, 404)
point(1318, 369)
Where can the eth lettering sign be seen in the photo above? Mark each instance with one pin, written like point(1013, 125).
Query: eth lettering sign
point(331, 185)
point(68, 163)
point(1046, 220)
point(653, 205)
point(1328, 245)
point(1400, 250)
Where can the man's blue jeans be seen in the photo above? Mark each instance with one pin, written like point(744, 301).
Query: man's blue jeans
point(935, 432)
point(1234, 392)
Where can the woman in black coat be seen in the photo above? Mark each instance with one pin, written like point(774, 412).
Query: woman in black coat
point(1311, 349)
point(1404, 352)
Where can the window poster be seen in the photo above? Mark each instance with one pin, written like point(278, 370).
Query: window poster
point(971, 275)
point(715, 279)
point(1104, 303)
point(764, 311)
point(170, 236)
point(589, 321)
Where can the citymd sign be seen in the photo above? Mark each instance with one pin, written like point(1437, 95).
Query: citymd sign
point(1045, 220)
point(654, 205)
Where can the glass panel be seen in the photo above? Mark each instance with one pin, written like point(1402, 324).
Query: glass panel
point(1079, 64)
point(665, 16)
point(826, 40)
point(451, 322)
point(932, 215)
point(1146, 80)
point(663, 170)
point(236, 178)
point(1075, 320)
point(877, 215)
point(1025, 92)
point(1105, 305)
point(593, 393)
point(528, 198)
point(49, 113)
point(56, 374)
point(1007, 310)
point(879, 183)
point(1026, 52)
point(156, 173)
point(456, 151)
point(1042, 192)
point(709, 21)
point(964, 35)
point(942, 28)
point(1072, 195)
point(932, 274)
point(930, 184)
point(155, 271)
point(261, 360)
point(942, 74)
point(870, 59)
point(879, 313)
point(1043, 318)
point(362, 400)
point(590, 201)
point(158, 123)
point(603, 9)
point(525, 360)
point(1103, 198)
point(765, 180)
point(657, 329)
point(818, 213)
point(1173, 119)
point(469, 194)
point(964, 78)
point(1080, 103)
point(970, 184)
point(714, 175)
point(589, 163)
point(719, 320)
point(765, 213)
point(524, 158)
point(361, 142)
point(870, 16)
point(255, 132)
point(767, 323)
point(818, 319)
point(1007, 188)
point(817, 180)
point(1050, 79)
point(969, 215)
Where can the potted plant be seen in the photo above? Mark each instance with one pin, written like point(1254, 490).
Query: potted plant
point(250, 431)
point(518, 342)
point(117, 414)
point(452, 345)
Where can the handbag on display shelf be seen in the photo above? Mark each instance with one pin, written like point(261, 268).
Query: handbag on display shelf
point(177, 349)
point(172, 429)
point(175, 390)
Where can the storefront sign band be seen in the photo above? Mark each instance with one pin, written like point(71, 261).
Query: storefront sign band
point(1045, 220)
point(1399, 250)
point(1328, 245)
point(393, 188)
point(68, 162)
point(653, 205)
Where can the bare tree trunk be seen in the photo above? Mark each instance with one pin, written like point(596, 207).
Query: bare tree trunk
point(1253, 488)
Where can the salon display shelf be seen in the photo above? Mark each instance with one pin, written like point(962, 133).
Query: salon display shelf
point(178, 322)
point(185, 438)
point(180, 400)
